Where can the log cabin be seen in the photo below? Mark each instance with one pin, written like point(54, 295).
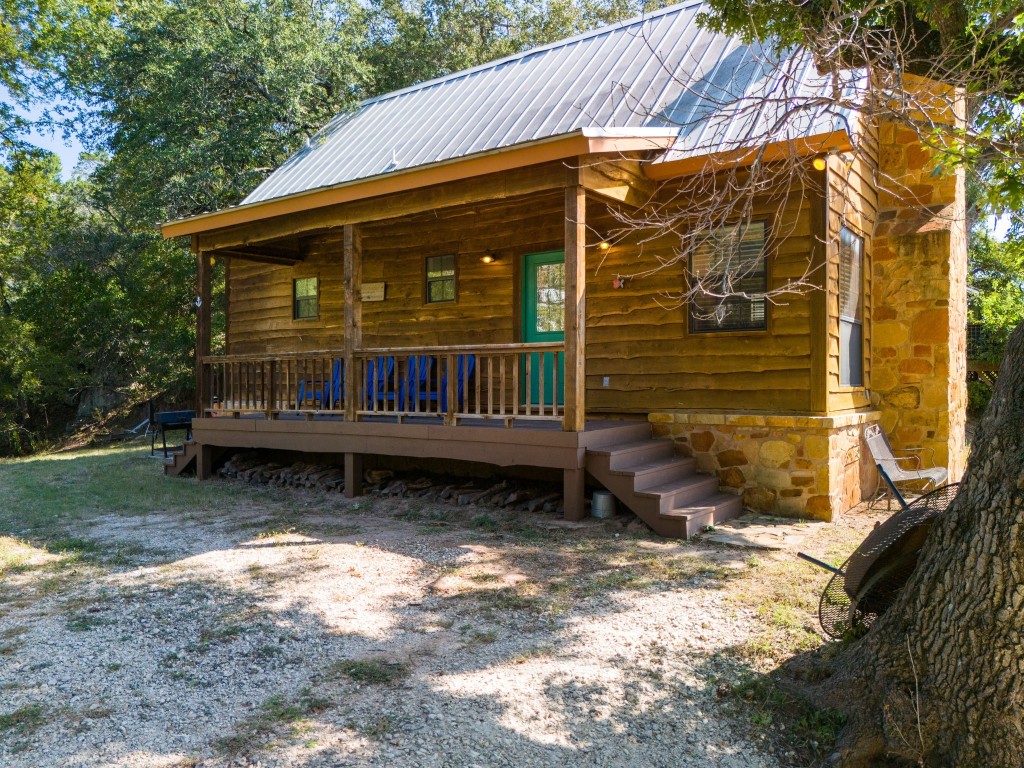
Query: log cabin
point(478, 268)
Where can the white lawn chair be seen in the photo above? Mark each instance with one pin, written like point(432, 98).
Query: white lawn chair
point(900, 476)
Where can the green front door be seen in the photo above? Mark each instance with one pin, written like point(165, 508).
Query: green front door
point(543, 320)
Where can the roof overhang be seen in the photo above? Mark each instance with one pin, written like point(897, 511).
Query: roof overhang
point(805, 146)
point(582, 142)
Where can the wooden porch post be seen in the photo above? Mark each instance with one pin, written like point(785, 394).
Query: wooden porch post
point(353, 275)
point(575, 304)
point(203, 302)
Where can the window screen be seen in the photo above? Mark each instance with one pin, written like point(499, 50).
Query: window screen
point(440, 278)
point(307, 298)
point(730, 261)
point(851, 308)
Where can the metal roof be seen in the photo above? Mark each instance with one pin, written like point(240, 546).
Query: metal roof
point(659, 71)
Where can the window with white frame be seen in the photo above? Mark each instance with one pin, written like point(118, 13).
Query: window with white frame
point(851, 309)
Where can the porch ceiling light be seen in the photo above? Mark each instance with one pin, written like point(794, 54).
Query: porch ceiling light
point(488, 258)
point(819, 164)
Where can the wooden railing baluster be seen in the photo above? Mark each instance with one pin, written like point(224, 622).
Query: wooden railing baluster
point(493, 381)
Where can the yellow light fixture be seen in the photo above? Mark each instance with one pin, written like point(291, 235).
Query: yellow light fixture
point(488, 258)
point(819, 164)
point(604, 245)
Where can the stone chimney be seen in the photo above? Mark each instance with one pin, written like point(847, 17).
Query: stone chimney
point(919, 286)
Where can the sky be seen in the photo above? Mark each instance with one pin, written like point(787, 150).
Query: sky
point(67, 150)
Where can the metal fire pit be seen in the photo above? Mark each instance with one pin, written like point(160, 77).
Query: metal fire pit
point(864, 587)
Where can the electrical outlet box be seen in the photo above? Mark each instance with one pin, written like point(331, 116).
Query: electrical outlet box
point(605, 381)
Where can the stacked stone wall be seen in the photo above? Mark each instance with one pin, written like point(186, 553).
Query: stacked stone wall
point(797, 466)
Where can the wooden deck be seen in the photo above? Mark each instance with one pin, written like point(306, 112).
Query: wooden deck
point(528, 443)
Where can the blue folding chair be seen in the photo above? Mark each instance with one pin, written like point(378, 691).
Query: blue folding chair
point(330, 392)
point(379, 371)
point(464, 372)
point(412, 387)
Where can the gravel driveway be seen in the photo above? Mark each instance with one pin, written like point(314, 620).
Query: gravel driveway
point(377, 632)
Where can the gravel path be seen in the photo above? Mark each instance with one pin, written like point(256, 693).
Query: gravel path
point(383, 634)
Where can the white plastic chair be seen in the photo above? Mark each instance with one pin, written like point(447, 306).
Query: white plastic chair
point(884, 455)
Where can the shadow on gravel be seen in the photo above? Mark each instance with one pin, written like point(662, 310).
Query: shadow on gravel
point(224, 628)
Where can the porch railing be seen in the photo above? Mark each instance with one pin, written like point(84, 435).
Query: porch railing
point(496, 381)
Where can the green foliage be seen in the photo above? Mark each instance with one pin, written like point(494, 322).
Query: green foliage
point(995, 292)
point(368, 671)
point(409, 42)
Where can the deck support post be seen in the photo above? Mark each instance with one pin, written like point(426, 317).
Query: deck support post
point(353, 475)
point(575, 305)
point(353, 278)
point(204, 462)
point(203, 302)
point(573, 493)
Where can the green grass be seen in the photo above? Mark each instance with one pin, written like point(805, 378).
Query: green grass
point(47, 497)
point(484, 522)
point(24, 721)
point(379, 728)
point(368, 671)
point(791, 723)
point(275, 713)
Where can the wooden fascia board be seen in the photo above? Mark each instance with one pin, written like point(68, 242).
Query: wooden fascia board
point(834, 141)
point(463, 168)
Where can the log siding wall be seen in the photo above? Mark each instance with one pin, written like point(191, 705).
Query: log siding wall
point(853, 203)
point(638, 337)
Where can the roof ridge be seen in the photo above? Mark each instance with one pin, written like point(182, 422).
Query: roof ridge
point(635, 20)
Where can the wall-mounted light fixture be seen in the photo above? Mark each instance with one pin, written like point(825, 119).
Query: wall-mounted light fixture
point(604, 245)
point(488, 258)
point(819, 163)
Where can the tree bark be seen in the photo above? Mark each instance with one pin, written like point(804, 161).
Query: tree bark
point(939, 680)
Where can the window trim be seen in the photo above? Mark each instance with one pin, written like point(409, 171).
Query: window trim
point(765, 252)
point(295, 298)
point(454, 278)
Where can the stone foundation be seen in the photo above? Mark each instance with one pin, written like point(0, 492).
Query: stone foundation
point(813, 467)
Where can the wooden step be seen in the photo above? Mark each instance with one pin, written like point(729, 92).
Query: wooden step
point(181, 461)
point(657, 472)
point(629, 432)
point(661, 488)
point(621, 456)
point(711, 511)
point(679, 493)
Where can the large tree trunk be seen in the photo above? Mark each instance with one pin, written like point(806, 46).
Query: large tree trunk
point(939, 680)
